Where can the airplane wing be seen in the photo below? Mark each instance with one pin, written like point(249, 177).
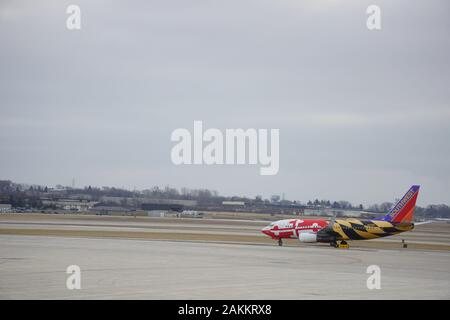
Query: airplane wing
point(422, 222)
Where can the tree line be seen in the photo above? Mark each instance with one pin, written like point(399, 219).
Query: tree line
point(22, 195)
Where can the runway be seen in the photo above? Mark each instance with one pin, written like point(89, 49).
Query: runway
point(166, 258)
point(425, 237)
point(34, 268)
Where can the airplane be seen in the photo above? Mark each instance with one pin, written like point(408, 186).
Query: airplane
point(398, 219)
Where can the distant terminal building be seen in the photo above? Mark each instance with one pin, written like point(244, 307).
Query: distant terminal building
point(275, 198)
point(166, 205)
point(187, 203)
point(4, 208)
point(332, 212)
point(233, 203)
point(110, 210)
point(69, 204)
point(162, 207)
point(157, 213)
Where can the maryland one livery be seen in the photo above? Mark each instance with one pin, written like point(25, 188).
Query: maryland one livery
point(398, 219)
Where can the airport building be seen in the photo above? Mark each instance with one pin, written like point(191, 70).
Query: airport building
point(162, 207)
point(69, 204)
point(109, 210)
point(332, 212)
point(167, 205)
point(233, 203)
point(5, 208)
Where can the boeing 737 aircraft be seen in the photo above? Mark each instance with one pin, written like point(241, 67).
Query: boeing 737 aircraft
point(398, 219)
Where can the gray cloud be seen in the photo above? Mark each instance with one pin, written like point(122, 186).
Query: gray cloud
point(362, 115)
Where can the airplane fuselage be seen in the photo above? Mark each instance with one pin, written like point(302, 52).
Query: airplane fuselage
point(320, 230)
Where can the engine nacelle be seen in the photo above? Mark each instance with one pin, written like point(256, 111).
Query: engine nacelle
point(307, 237)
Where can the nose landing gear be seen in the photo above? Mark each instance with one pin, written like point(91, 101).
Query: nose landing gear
point(280, 242)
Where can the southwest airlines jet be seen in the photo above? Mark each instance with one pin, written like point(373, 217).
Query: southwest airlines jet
point(398, 219)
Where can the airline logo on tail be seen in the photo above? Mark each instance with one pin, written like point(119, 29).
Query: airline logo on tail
point(403, 211)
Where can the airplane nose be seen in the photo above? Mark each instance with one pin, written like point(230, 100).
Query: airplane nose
point(266, 230)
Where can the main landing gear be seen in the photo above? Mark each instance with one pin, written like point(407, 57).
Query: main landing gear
point(342, 245)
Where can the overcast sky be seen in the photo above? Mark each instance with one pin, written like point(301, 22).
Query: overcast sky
point(362, 114)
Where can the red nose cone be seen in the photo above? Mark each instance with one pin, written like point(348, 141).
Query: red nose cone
point(267, 232)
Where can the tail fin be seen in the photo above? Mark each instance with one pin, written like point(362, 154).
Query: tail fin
point(403, 211)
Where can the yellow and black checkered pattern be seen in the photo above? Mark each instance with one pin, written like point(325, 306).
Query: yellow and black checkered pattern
point(355, 229)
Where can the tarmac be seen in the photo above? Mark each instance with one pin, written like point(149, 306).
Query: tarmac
point(124, 258)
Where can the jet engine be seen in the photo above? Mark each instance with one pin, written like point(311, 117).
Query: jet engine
point(307, 237)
